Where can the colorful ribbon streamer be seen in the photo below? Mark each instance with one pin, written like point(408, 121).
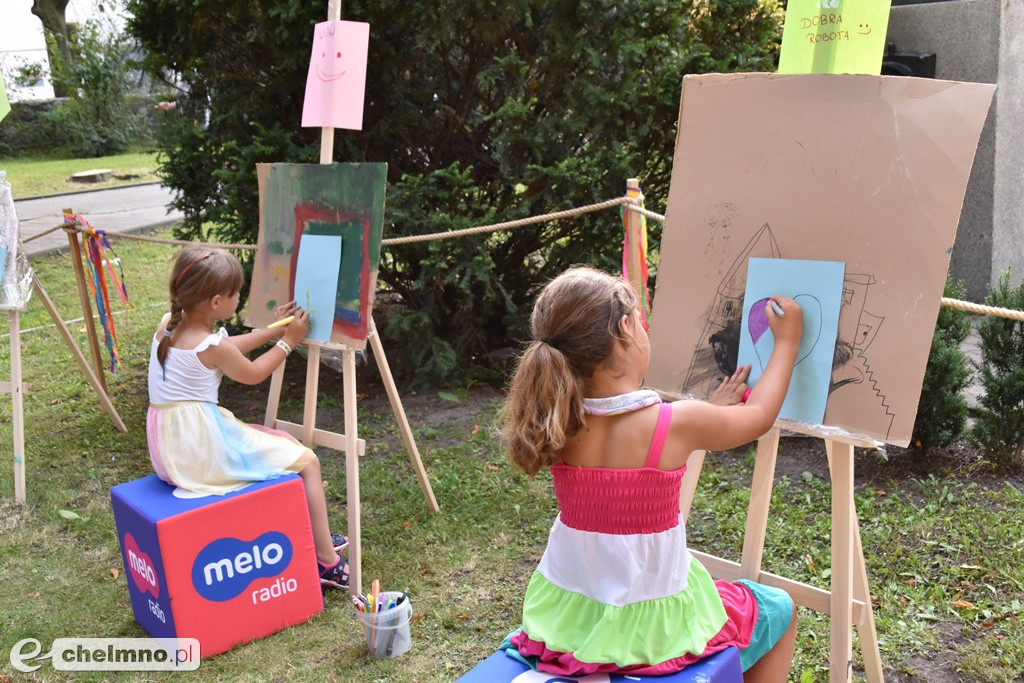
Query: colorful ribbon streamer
point(642, 259)
point(93, 243)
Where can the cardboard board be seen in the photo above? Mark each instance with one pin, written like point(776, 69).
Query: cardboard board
point(345, 200)
point(868, 170)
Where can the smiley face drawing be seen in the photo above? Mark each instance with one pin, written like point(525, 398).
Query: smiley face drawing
point(336, 80)
point(863, 29)
point(327, 55)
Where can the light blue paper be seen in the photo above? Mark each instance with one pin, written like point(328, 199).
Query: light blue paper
point(316, 282)
point(3, 264)
point(818, 287)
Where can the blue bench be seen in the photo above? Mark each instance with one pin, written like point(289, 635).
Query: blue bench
point(723, 667)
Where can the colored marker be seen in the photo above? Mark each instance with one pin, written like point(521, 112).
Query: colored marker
point(282, 321)
point(778, 309)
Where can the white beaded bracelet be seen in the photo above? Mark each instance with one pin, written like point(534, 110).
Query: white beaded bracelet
point(283, 345)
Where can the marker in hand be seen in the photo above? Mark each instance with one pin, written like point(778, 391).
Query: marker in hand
point(285, 321)
point(775, 307)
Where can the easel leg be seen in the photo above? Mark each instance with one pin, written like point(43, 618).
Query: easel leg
point(355, 553)
point(309, 405)
point(403, 422)
point(274, 397)
point(688, 487)
point(760, 500)
point(861, 591)
point(17, 409)
point(97, 385)
point(83, 298)
point(841, 652)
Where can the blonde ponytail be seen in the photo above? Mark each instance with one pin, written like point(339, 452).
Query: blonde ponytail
point(574, 325)
point(544, 408)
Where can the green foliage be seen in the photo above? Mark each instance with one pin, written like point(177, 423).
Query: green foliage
point(942, 409)
point(98, 117)
point(30, 126)
point(484, 112)
point(1000, 427)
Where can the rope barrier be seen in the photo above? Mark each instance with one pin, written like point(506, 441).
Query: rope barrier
point(44, 232)
point(508, 225)
point(983, 309)
point(629, 202)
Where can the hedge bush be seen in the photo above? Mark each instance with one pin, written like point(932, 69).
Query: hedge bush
point(999, 431)
point(942, 410)
point(483, 111)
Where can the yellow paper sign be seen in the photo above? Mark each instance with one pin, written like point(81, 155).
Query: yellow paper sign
point(834, 36)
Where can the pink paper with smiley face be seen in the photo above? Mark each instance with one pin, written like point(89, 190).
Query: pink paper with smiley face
point(336, 82)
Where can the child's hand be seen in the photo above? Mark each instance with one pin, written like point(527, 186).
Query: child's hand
point(297, 329)
point(285, 310)
point(788, 327)
point(731, 390)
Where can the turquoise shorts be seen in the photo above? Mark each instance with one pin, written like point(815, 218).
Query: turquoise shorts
point(774, 612)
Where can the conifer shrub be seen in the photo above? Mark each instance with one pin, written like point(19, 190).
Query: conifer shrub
point(999, 431)
point(942, 409)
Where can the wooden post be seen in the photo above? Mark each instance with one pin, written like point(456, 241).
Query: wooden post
point(862, 592)
point(355, 535)
point(633, 239)
point(841, 636)
point(760, 497)
point(403, 422)
point(94, 380)
point(17, 407)
point(83, 298)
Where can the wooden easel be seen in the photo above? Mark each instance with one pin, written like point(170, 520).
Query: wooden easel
point(348, 442)
point(849, 601)
point(17, 389)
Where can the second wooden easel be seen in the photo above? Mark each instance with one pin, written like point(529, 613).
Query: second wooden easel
point(17, 388)
point(848, 604)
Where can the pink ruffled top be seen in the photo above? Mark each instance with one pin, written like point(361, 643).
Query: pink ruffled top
point(617, 501)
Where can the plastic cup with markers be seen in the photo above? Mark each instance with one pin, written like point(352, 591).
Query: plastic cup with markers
point(385, 617)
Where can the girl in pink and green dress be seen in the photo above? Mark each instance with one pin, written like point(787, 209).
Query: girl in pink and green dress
point(617, 590)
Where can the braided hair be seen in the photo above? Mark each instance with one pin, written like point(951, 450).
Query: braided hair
point(198, 275)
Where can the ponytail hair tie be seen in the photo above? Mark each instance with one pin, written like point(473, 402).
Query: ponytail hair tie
point(557, 344)
point(167, 333)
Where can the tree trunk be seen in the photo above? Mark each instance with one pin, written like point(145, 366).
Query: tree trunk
point(51, 13)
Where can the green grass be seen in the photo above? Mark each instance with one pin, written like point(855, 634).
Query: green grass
point(40, 174)
point(943, 553)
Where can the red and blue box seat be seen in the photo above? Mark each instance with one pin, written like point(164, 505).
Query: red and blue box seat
point(721, 667)
point(221, 569)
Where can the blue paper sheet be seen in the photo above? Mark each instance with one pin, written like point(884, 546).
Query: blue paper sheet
point(818, 287)
point(3, 263)
point(316, 282)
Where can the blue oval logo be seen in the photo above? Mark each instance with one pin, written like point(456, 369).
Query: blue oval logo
point(225, 568)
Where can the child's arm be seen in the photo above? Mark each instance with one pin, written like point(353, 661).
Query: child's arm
point(229, 358)
point(716, 427)
point(257, 338)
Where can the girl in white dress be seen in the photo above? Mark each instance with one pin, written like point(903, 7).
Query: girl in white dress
point(196, 444)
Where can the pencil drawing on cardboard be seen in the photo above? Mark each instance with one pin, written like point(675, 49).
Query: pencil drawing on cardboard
point(839, 168)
